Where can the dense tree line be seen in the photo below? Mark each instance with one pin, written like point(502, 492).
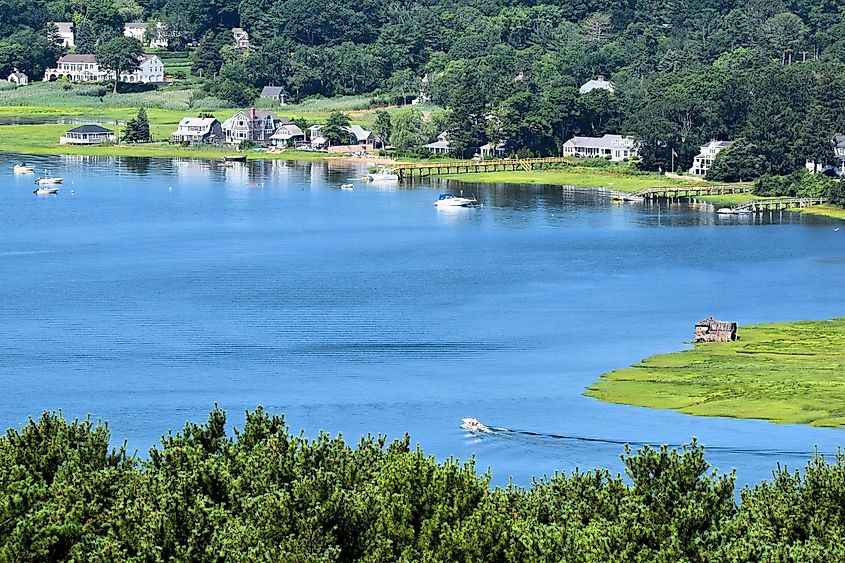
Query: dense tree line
point(270, 495)
point(768, 72)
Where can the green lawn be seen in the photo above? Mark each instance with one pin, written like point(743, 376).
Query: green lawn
point(785, 372)
point(621, 179)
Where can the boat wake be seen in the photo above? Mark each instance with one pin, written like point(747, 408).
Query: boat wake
point(478, 429)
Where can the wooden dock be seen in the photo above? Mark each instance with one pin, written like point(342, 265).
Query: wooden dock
point(424, 169)
point(777, 204)
point(693, 191)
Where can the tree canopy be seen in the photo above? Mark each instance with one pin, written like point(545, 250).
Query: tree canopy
point(271, 495)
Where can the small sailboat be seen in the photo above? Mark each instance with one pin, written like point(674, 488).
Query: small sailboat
point(23, 168)
point(48, 179)
point(46, 190)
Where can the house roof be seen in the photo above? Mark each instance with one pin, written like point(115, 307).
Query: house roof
point(197, 121)
point(286, 131)
point(64, 27)
point(18, 75)
point(717, 144)
point(599, 82)
point(360, 133)
point(442, 144)
point(78, 59)
point(604, 142)
point(272, 91)
point(254, 113)
point(90, 129)
point(136, 25)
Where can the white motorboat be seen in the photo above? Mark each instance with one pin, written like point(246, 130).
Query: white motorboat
point(46, 190)
point(383, 175)
point(473, 425)
point(23, 168)
point(732, 211)
point(347, 186)
point(47, 179)
point(449, 200)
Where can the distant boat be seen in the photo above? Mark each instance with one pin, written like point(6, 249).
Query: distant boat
point(235, 158)
point(347, 186)
point(732, 211)
point(48, 179)
point(383, 175)
point(46, 190)
point(449, 200)
point(474, 425)
point(23, 168)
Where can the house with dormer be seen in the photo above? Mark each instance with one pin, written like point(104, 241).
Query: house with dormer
point(254, 125)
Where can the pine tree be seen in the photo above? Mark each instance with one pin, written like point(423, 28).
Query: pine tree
point(137, 129)
point(85, 40)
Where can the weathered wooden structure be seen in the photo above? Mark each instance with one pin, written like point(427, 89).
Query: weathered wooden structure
point(693, 191)
point(777, 204)
point(423, 169)
point(711, 330)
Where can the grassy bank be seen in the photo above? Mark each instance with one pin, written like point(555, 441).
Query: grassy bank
point(785, 372)
point(622, 178)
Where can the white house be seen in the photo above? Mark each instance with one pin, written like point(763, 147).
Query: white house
point(84, 68)
point(288, 135)
point(255, 125)
point(616, 147)
point(88, 135)
point(440, 146)
point(702, 162)
point(138, 30)
point(241, 37)
point(18, 78)
point(837, 165)
point(65, 32)
point(198, 130)
point(598, 83)
point(497, 150)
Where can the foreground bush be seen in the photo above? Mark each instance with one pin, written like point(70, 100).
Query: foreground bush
point(269, 495)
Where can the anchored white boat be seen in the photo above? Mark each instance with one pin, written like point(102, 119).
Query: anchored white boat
point(449, 200)
point(474, 425)
point(46, 190)
point(383, 175)
point(347, 186)
point(47, 179)
point(732, 211)
point(23, 168)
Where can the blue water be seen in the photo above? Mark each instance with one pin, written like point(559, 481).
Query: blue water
point(149, 290)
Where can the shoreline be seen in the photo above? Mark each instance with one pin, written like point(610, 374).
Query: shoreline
point(790, 373)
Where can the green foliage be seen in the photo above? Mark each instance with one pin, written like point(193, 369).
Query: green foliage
point(121, 54)
point(137, 129)
point(740, 162)
point(270, 495)
point(334, 131)
point(800, 183)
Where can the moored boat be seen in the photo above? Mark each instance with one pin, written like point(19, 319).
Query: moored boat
point(449, 200)
point(47, 179)
point(347, 186)
point(383, 175)
point(23, 168)
point(46, 190)
point(235, 158)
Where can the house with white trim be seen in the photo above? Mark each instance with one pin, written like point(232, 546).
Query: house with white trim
point(288, 135)
point(138, 30)
point(198, 131)
point(85, 68)
point(18, 78)
point(254, 125)
point(241, 37)
point(65, 32)
point(599, 83)
point(613, 147)
point(88, 135)
point(704, 159)
point(441, 145)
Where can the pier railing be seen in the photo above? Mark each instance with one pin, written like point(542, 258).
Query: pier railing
point(423, 169)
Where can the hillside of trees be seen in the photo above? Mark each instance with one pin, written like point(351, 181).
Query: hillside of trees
point(269, 495)
point(769, 74)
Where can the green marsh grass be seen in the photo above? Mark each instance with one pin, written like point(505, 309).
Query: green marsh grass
point(785, 372)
